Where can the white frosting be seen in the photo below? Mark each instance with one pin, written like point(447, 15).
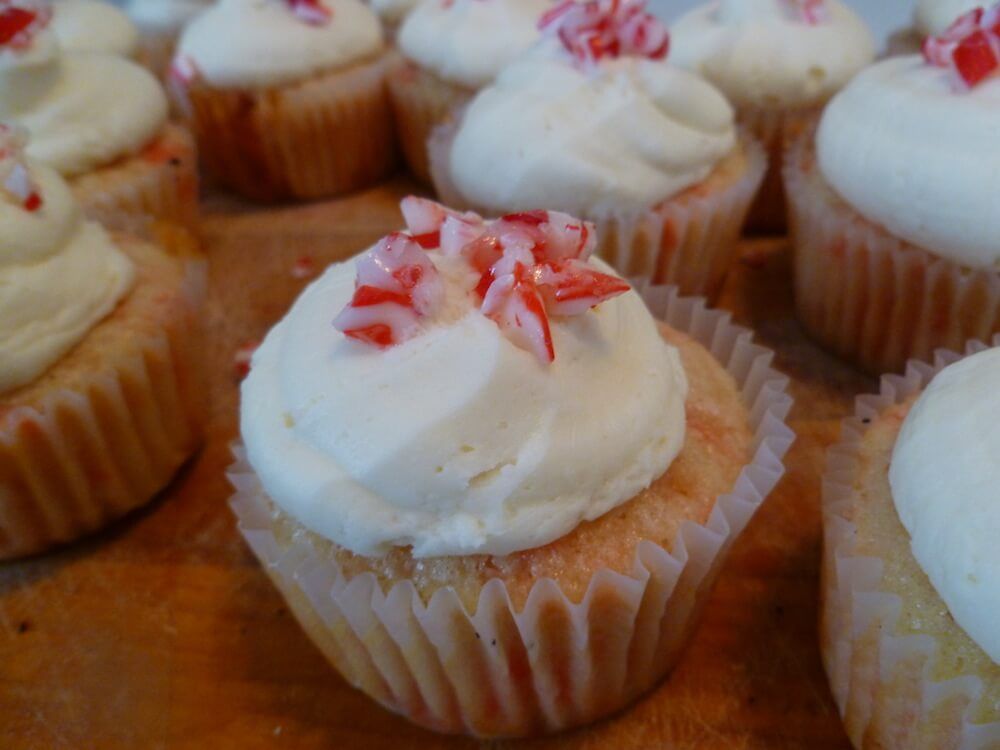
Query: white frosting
point(262, 43)
point(457, 441)
point(164, 16)
point(468, 42)
point(914, 151)
point(393, 11)
point(945, 478)
point(624, 137)
point(759, 55)
point(93, 26)
point(935, 16)
point(83, 110)
point(59, 276)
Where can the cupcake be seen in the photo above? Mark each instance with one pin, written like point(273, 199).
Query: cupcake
point(294, 105)
point(897, 240)
point(911, 595)
point(778, 62)
point(99, 387)
point(451, 49)
point(99, 120)
point(93, 26)
point(464, 541)
point(160, 23)
point(593, 121)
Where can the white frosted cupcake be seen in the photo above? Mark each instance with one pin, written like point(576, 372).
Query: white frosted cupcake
point(648, 151)
point(294, 105)
point(94, 26)
point(897, 240)
point(160, 22)
point(451, 49)
point(778, 62)
point(101, 121)
point(911, 591)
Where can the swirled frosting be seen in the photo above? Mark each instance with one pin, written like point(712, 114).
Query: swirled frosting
point(93, 26)
point(761, 56)
point(255, 43)
point(935, 16)
point(945, 479)
point(83, 110)
point(457, 441)
point(164, 16)
point(912, 149)
point(467, 42)
point(59, 276)
point(624, 136)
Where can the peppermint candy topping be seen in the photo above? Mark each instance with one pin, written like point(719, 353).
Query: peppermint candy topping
point(16, 183)
point(183, 70)
point(811, 12)
point(312, 12)
point(599, 29)
point(970, 46)
point(531, 266)
point(21, 20)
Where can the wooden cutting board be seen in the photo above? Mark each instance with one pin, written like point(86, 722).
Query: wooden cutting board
point(162, 632)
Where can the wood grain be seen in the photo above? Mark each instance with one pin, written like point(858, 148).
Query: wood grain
point(163, 633)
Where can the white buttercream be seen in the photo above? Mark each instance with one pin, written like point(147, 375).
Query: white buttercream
point(93, 26)
point(911, 149)
point(945, 478)
point(164, 16)
point(761, 56)
point(59, 276)
point(468, 42)
point(935, 16)
point(248, 43)
point(457, 441)
point(626, 136)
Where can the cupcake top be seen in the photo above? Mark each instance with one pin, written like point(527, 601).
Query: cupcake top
point(592, 120)
point(93, 26)
point(935, 16)
point(467, 42)
point(59, 275)
point(911, 145)
point(278, 41)
point(83, 110)
point(945, 479)
point(443, 409)
point(774, 53)
point(164, 16)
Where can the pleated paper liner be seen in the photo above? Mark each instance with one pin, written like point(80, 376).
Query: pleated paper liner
point(554, 664)
point(886, 682)
point(420, 101)
point(689, 241)
point(876, 300)
point(326, 135)
point(160, 182)
point(108, 425)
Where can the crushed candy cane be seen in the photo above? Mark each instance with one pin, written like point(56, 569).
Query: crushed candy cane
point(242, 358)
point(312, 12)
point(532, 265)
point(970, 46)
point(183, 70)
point(16, 182)
point(598, 29)
point(304, 267)
point(21, 20)
point(811, 12)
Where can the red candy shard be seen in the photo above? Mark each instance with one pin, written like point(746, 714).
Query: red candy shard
point(571, 287)
point(312, 12)
point(599, 29)
point(21, 20)
point(242, 358)
point(304, 267)
point(16, 182)
point(970, 46)
point(513, 302)
point(183, 70)
point(811, 12)
point(427, 219)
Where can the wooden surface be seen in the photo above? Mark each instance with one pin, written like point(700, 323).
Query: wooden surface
point(163, 632)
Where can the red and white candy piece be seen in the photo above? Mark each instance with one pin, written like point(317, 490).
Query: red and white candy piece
point(435, 226)
point(183, 70)
point(312, 12)
point(514, 303)
point(397, 284)
point(16, 183)
point(599, 29)
point(970, 46)
point(21, 20)
point(811, 12)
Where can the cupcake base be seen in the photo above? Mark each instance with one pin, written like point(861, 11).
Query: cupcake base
point(868, 296)
point(524, 655)
point(903, 673)
point(107, 426)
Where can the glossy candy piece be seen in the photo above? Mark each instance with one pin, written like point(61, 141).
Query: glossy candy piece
point(514, 303)
point(21, 20)
point(811, 12)
point(571, 287)
point(435, 226)
point(598, 29)
point(970, 46)
point(312, 12)
point(16, 181)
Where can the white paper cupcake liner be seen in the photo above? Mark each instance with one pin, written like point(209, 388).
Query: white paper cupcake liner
point(554, 664)
point(853, 605)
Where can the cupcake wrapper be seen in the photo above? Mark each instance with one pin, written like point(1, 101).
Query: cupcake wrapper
point(161, 182)
point(555, 664)
point(864, 659)
point(689, 242)
point(871, 297)
point(420, 101)
point(327, 135)
point(89, 455)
